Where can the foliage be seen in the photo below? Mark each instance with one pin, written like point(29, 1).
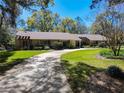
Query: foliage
point(91, 58)
point(9, 12)
point(96, 28)
point(106, 53)
point(37, 48)
point(109, 54)
point(10, 58)
point(80, 26)
point(46, 21)
point(21, 25)
point(110, 3)
point(6, 36)
point(114, 71)
point(71, 45)
point(102, 45)
point(56, 45)
point(43, 20)
point(73, 26)
point(110, 24)
point(44, 47)
point(68, 25)
point(4, 54)
point(10, 9)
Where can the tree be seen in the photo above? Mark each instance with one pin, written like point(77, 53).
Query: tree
point(80, 26)
point(57, 22)
point(110, 2)
point(96, 26)
point(9, 12)
point(10, 9)
point(76, 26)
point(21, 25)
point(43, 20)
point(5, 36)
point(46, 21)
point(68, 25)
point(111, 24)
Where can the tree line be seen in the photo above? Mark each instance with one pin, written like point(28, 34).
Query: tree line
point(46, 21)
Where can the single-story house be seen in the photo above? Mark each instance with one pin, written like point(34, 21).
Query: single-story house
point(91, 39)
point(27, 40)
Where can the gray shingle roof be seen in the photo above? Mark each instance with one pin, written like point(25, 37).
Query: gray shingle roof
point(49, 35)
point(93, 37)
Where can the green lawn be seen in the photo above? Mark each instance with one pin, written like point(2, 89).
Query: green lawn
point(24, 54)
point(9, 59)
point(89, 57)
point(80, 65)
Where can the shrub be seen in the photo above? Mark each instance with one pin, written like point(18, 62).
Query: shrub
point(57, 45)
point(109, 54)
point(106, 53)
point(43, 47)
point(31, 47)
point(38, 48)
point(4, 54)
point(114, 71)
point(102, 45)
point(71, 45)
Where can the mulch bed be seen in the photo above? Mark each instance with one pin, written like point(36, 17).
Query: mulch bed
point(102, 83)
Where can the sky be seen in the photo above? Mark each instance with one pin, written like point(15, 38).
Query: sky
point(68, 8)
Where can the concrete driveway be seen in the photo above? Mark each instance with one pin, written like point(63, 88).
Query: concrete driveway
point(39, 74)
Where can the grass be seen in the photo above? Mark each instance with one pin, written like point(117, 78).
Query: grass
point(24, 54)
point(80, 65)
point(10, 58)
point(89, 57)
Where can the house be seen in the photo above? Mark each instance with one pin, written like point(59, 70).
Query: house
point(27, 40)
point(91, 39)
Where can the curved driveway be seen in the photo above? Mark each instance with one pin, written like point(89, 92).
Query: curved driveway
point(39, 74)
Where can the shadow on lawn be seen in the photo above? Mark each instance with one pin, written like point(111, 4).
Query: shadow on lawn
point(4, 56)
point(4, 65)
point(78, 74)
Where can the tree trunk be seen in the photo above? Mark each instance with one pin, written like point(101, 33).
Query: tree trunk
point(115, 52)
point(118, 52)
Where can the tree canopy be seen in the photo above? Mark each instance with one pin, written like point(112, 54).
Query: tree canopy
point(10, 9)
point(43, 20)
point(46, 21)
point(110, 24)
point(110, 2)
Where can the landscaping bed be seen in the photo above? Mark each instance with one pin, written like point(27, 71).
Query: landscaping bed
point(100, 82)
